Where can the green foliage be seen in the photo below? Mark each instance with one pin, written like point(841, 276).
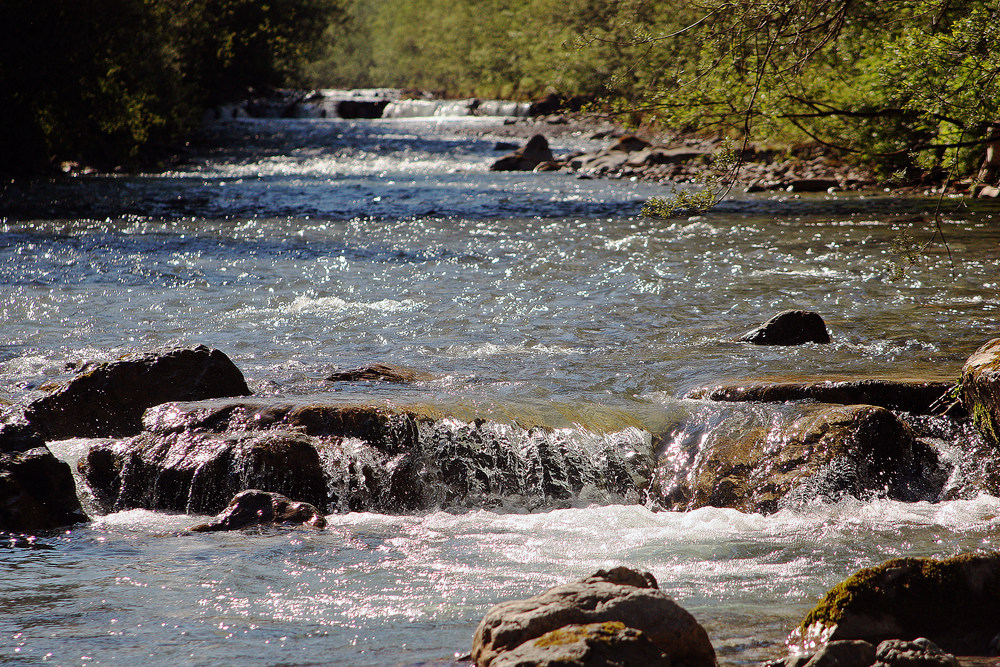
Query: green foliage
point(97, 80)
point(715, 184)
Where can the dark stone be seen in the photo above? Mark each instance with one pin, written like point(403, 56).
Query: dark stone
point(914, 396)
point(855, 653)
point(791, 327)
point(526, 158)
point(255, 508)
point(951, 602)
point(671, 629)
point(37, 491)
point(920, 652)
point(380, 373)
point(109, 399)
point(811, 184)
point(823, 454)
point(361, 108)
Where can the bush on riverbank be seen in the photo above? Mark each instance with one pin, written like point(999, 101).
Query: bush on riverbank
point(96, 81)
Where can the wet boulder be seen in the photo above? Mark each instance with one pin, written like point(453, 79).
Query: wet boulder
point(808, 454)
point(261, 508)
point(608, 644)
point(108, 400)
point(620, 596)
point(951, 602)
point(791, 327)
point(980, 389)
point(380, 373)
point(919, 397)
point(37, 491)
point(526, 158)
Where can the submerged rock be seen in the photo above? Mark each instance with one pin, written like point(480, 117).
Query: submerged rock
point(109, 399)
point(824, 453)
point(951, 602)
point(37, 491)
point(791, 327)
point(598, 599)
point(253, 508)
point(980, 388)
point(914, 396)
point(526, 158)
point(380, 373)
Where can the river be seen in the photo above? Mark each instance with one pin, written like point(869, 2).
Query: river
point(299, 247)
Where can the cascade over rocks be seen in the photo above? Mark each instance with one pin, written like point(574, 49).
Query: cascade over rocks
point(194, 457)
point(555, 616)
point(526, 158)
point(917, 397)
point(255, 508)
point(37, 491)
point(824, 453)
point(980, 386)
point(791, 327)
point(951, 602)
point(108, 400)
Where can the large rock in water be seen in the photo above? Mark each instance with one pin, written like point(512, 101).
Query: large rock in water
point(526, 158)
point(195, 456)
point(617, 596)
point(260, 508)
point(108, 400)
point(37, 491)
point(791, 327)
point(608, 644)
point(952, 602)
point(825, 453)
point(980, 385)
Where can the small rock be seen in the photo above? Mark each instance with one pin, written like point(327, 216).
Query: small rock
point(791, 327)
point(920, 652)
point(254, 508)
point(379, 373)
point(856, 653)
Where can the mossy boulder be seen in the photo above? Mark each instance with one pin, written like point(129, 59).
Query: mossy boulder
point(821, 453)
point(980, 388)
point(606, 598)
point(954, 602)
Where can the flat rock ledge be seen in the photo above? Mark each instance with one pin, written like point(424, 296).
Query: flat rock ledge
point(918, 397)
point(578, 623)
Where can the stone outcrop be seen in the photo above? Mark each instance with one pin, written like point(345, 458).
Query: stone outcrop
point(194, 457)
point(605, 597)
point(108, 400)
point(791, 327)
point(526, 158)
point(951, 602)
point(260, 508)
point(919, 397)
point(37, 491)
point(980, 389)
point(823, 454)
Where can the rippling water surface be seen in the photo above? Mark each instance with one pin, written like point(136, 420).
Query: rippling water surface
point(301, 247)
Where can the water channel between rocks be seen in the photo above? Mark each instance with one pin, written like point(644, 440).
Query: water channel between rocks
point(300, 247)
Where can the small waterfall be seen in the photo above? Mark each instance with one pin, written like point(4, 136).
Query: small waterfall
point(466, 107)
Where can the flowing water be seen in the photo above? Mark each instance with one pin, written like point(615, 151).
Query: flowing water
point(300, 247)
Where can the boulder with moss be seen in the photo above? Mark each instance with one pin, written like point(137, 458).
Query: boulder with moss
point(618, 596)
point(952, 602)
point(980, 388)
point(608, 644)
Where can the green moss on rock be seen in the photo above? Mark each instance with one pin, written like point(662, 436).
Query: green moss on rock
point(980, 387)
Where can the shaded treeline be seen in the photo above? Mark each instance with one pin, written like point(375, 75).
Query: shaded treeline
point(96, 81)
point(909, 86)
